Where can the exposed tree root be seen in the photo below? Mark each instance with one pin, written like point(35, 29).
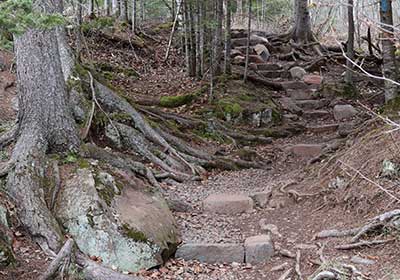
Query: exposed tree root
point(357, 233)
point(64, 253)
point(122, 163)
point(94, 271)
point(24, 185)
point(8, 137)
point(325, 275)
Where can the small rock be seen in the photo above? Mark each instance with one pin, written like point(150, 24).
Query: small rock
point(297, 73)
point(211, 253)
point(361, 261)
point(261, 199)
point(227, 204)
point(307, 150)
point(338, 183)
point(389, 169)
point(262, 51)
point(269, 228)
point(341, 112)
point(259, 249)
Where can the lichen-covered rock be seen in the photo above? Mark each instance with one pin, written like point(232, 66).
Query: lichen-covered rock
point(98, 230)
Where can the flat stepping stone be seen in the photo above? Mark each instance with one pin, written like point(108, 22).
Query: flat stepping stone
point(273, 74)
point(317, 114)
point(261, 199)
point(323, 128)
point(312, 104)
point(228, 204)
point(313, 79)
point(258, 249)
point(211, 252)
point(294, 85)
point(307, 150)
point(289, 105)
point(303, 94)
point(269, 67)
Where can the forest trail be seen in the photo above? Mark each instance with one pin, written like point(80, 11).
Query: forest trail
point(290, 203)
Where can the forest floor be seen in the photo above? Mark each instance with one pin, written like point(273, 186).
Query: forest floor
point(318, 178)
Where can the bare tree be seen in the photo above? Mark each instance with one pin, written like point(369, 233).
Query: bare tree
point(390, 68)
point(350, 43)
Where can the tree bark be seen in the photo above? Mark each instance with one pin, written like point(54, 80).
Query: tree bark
point(45, 125)
point(350, 43)
point(123, 6)
point(227, 66)
point(302, 32)
point(390, 68)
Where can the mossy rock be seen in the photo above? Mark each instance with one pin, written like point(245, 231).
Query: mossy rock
point(98, 23)
point(164, 26)
point(176, 101)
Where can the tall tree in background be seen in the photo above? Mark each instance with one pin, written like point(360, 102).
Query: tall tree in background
point(390, 68)
point(123, 7)
point(228, 19)
point(350, 43)
point(302, 28)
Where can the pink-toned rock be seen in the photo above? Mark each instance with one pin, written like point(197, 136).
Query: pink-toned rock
point(307, 150)
point(317, 114)
point(227, 204)
point(323, 128)
point(256, 59)
point(313, 79)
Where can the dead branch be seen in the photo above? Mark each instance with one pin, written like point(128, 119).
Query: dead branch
point(336, 233)
point(363, 244)
point(297, 266)
point(370, 181)
point(64, 253)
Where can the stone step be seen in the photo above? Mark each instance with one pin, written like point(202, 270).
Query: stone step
point(312, 104)
point(273, 74)
point(211, 253)
point(290, 85)
point(269, 67)
point(302, 94)
point(258, 249)
point(307, 150)
point(323, 128)
point(228, 204)
point(317, 114)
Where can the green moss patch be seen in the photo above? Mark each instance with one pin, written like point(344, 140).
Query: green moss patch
point(176, 101)
point(136, 235)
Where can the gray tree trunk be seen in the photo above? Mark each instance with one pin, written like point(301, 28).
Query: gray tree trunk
point(45, 125)
point(227, 66)
point(123, 6)
point(390, 69)
point(350, 43)
point(302, 29)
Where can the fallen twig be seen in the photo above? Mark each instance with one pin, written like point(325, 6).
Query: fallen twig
point(363, 244)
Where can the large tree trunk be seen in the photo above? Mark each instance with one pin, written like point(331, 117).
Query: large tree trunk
point(390, 69)
point(302, 29)
point(45, 125)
